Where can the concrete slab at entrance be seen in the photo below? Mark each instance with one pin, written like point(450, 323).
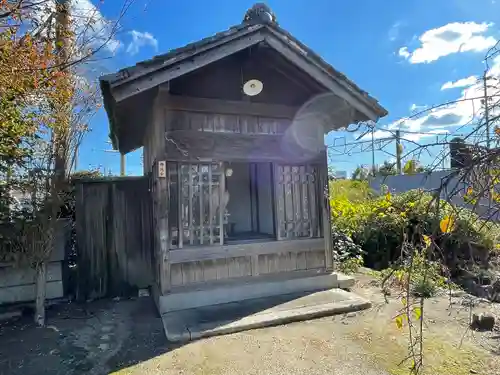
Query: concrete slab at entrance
point(191, 324)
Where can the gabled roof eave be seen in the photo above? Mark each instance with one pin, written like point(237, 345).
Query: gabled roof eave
point(278, 39)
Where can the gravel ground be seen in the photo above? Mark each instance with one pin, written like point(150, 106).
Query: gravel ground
point(300, 348)
point(126, 337)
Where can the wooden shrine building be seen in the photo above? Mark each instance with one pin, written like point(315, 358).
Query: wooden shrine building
point(232, 129)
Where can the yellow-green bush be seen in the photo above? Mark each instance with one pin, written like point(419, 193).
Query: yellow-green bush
point(380, 224)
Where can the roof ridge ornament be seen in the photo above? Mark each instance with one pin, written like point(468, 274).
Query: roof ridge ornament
point(259, 13)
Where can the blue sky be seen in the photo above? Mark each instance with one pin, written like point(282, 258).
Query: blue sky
point(408, 54)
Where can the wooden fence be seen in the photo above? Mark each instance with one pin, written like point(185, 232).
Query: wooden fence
point(17, 284)
point(114, 236)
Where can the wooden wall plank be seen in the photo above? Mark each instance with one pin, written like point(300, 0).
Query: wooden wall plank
point(188, 273)
point(254, 265)
point(301, 261)
point(222, 269)
point(210, 270)
point(176, 274)
point(274, 265)
point(263, 263)
point(228, 146)
point(24, 293)
point(114, 228)
point(14, 276)
point(198, 270)
point(192, 104)
point(315, 259)
point(191, 254)
point(239, 267)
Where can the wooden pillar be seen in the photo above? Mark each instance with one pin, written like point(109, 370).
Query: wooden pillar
point(162, 206)
point(325, 209)
point(222, 206)
point(275, 183)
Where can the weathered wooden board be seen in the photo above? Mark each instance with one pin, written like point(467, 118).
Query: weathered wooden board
point(190, 145)
point(156, 123)
point(229, 107)
point(315, 260)
point(114, 236)
point(12, 276)
point(187, 273)
point(247, 249)
point(285, 262)
point(202, 271)
point(176, 274)
point(227, 123)
point(25, 293)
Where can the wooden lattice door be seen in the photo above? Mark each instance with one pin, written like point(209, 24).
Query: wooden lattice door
point(297, 202)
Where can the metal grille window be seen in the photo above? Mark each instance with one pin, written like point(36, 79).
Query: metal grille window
point(196, 215)
point(297, 201)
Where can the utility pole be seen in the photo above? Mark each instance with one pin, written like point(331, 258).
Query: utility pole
point(486, 109)
point(373, 151)
point(399, 151)
point(122, 160)
point(443, 161)
point(75, 162)
point(122, 164)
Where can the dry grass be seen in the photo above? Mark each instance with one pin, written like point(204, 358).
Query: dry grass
point(449, 346)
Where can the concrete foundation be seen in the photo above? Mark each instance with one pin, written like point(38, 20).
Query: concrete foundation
point(192, 324)
point(208, 294)
point(209, 309)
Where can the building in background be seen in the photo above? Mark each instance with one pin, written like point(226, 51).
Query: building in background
point(342, 175)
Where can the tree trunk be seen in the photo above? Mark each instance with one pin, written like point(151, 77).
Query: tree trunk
point(41, 291)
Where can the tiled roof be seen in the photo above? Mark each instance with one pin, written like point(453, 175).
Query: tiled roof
point(166, 59)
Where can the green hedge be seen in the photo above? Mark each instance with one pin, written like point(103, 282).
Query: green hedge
point(381, 223)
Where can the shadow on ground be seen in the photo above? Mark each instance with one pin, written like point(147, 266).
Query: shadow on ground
point(105, 336)
point(94, 338)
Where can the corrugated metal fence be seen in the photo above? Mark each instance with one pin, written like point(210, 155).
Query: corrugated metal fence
point(431, 182)
point(114, 236)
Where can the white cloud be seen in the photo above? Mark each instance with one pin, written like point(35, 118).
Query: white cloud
point(495, 67)
point(415, 107)
point(467, 106)
point(449, 39)
point(92, 28)
point(415, 137)
point(393, 33)
point(461, 112)
point(139, 40)
point(403, 52)
point(464, 82)
point(464, 110)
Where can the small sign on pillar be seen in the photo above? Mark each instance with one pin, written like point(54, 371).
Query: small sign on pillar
point(162, 169)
